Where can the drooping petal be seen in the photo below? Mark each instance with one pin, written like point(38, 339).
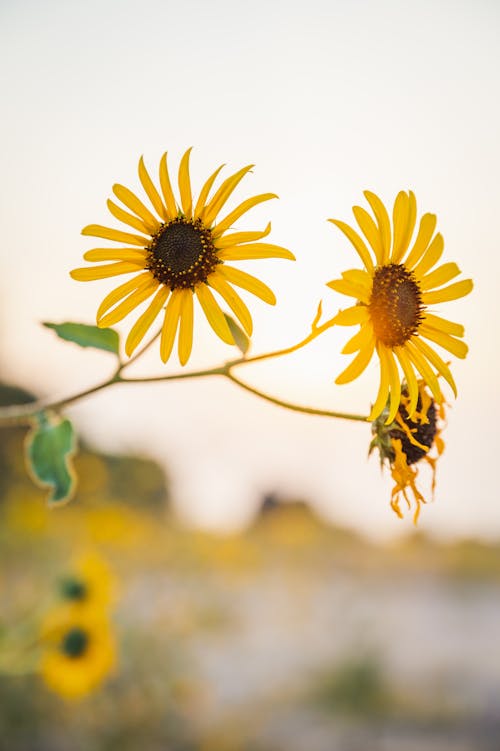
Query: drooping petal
point(425, 370)
point(411, 378)
point(134, 204)
point(202, 198)
point(185, 185)
point(357, 341)
point(456, 346)
point(383, 390)
point(384, 224)
point(247, 281)
point(127, 305)
point(436, 361)
point(221, 196)
point(91, 273)
point(170, 323)
point(356, 241)
point(358, 365)
point(166, 189)
point(424, 235)
point(395, 387)
point(151, 191)
point(213, 313)
point(453, 292)
point(220, 228)
point(185, 343)
point(234, 301)
point(237, 238)
point(253, 251)
point(442, 275)
point(146, 320)
point(97, 230)
point(132, 255)
point(126, 218)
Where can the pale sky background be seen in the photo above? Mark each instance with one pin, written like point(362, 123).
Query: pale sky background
point(327, 99)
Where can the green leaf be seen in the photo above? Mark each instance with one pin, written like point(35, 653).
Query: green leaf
point(241, 339)
point(87, 336)
point(50, 446)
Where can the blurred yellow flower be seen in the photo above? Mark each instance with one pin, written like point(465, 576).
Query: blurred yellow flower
point(180, 253)
point(89, 583)
point(406, 442)
point(79, 652)
point(393, 295)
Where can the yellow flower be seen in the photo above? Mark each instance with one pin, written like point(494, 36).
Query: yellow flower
point(393, 294)
point(406, 442)
point(79, 652)
point(89, 584)
point(179, 253)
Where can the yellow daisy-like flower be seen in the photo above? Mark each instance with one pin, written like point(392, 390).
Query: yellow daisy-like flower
point(394, 293)
point(89, 584)
point(79, 652)
point(406, 442)
point(180, 253)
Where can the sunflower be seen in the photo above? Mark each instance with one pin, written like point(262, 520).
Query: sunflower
point(79, 652)
point(180, 253)
point(89, 583)
point(393, 294)
point(405, 442)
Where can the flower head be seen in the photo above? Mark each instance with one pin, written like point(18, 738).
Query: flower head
point(79, 652)
point(406, 442)
point(180, 253)
point(89, 583)
point(393, 296)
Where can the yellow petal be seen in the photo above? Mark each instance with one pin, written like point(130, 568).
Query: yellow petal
point(202, 198)
point(222, 194)
point(150, 190)
point(351, 316)
point(253, 251)
point(92, 273)
point(130, 302)
point(456, 346)
point(248, 282)
point(411, 379)
point(442, 275)
point(185, 185)
point(358, 365)
point(234, 301)
point(453, 292)
point(132, 255)
point(424, 369)
point(424, 235)
point(430, 257)
point(220, 228)
point(356, 241)
point(134, 204)
point(370, 231)
point(395, 387)
point(383, 391)
point(124, 216)
point(166, 189)
point(122, 291)
point(213, 313)
point(436, 361)
point(185, 343)
point(350, 289)
point(96, 230)
point(384, 224)
point(170, 323)
point(405, 213)
point(359, 277)
point(441, 324)
point(145, 321)
point(358, 341)
point(236, 238)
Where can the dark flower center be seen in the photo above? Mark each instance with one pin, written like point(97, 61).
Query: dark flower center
point(395, 305)
point(75, 642)
point(73, 589)
point(423, 432)
point(182, 254)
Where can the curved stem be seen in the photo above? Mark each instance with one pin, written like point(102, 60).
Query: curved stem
point(291, 405)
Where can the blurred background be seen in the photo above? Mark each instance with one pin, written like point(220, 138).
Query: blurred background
point(269, 597)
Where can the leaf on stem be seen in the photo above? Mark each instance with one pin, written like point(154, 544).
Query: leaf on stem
point(49, 448)
point(87, 336)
